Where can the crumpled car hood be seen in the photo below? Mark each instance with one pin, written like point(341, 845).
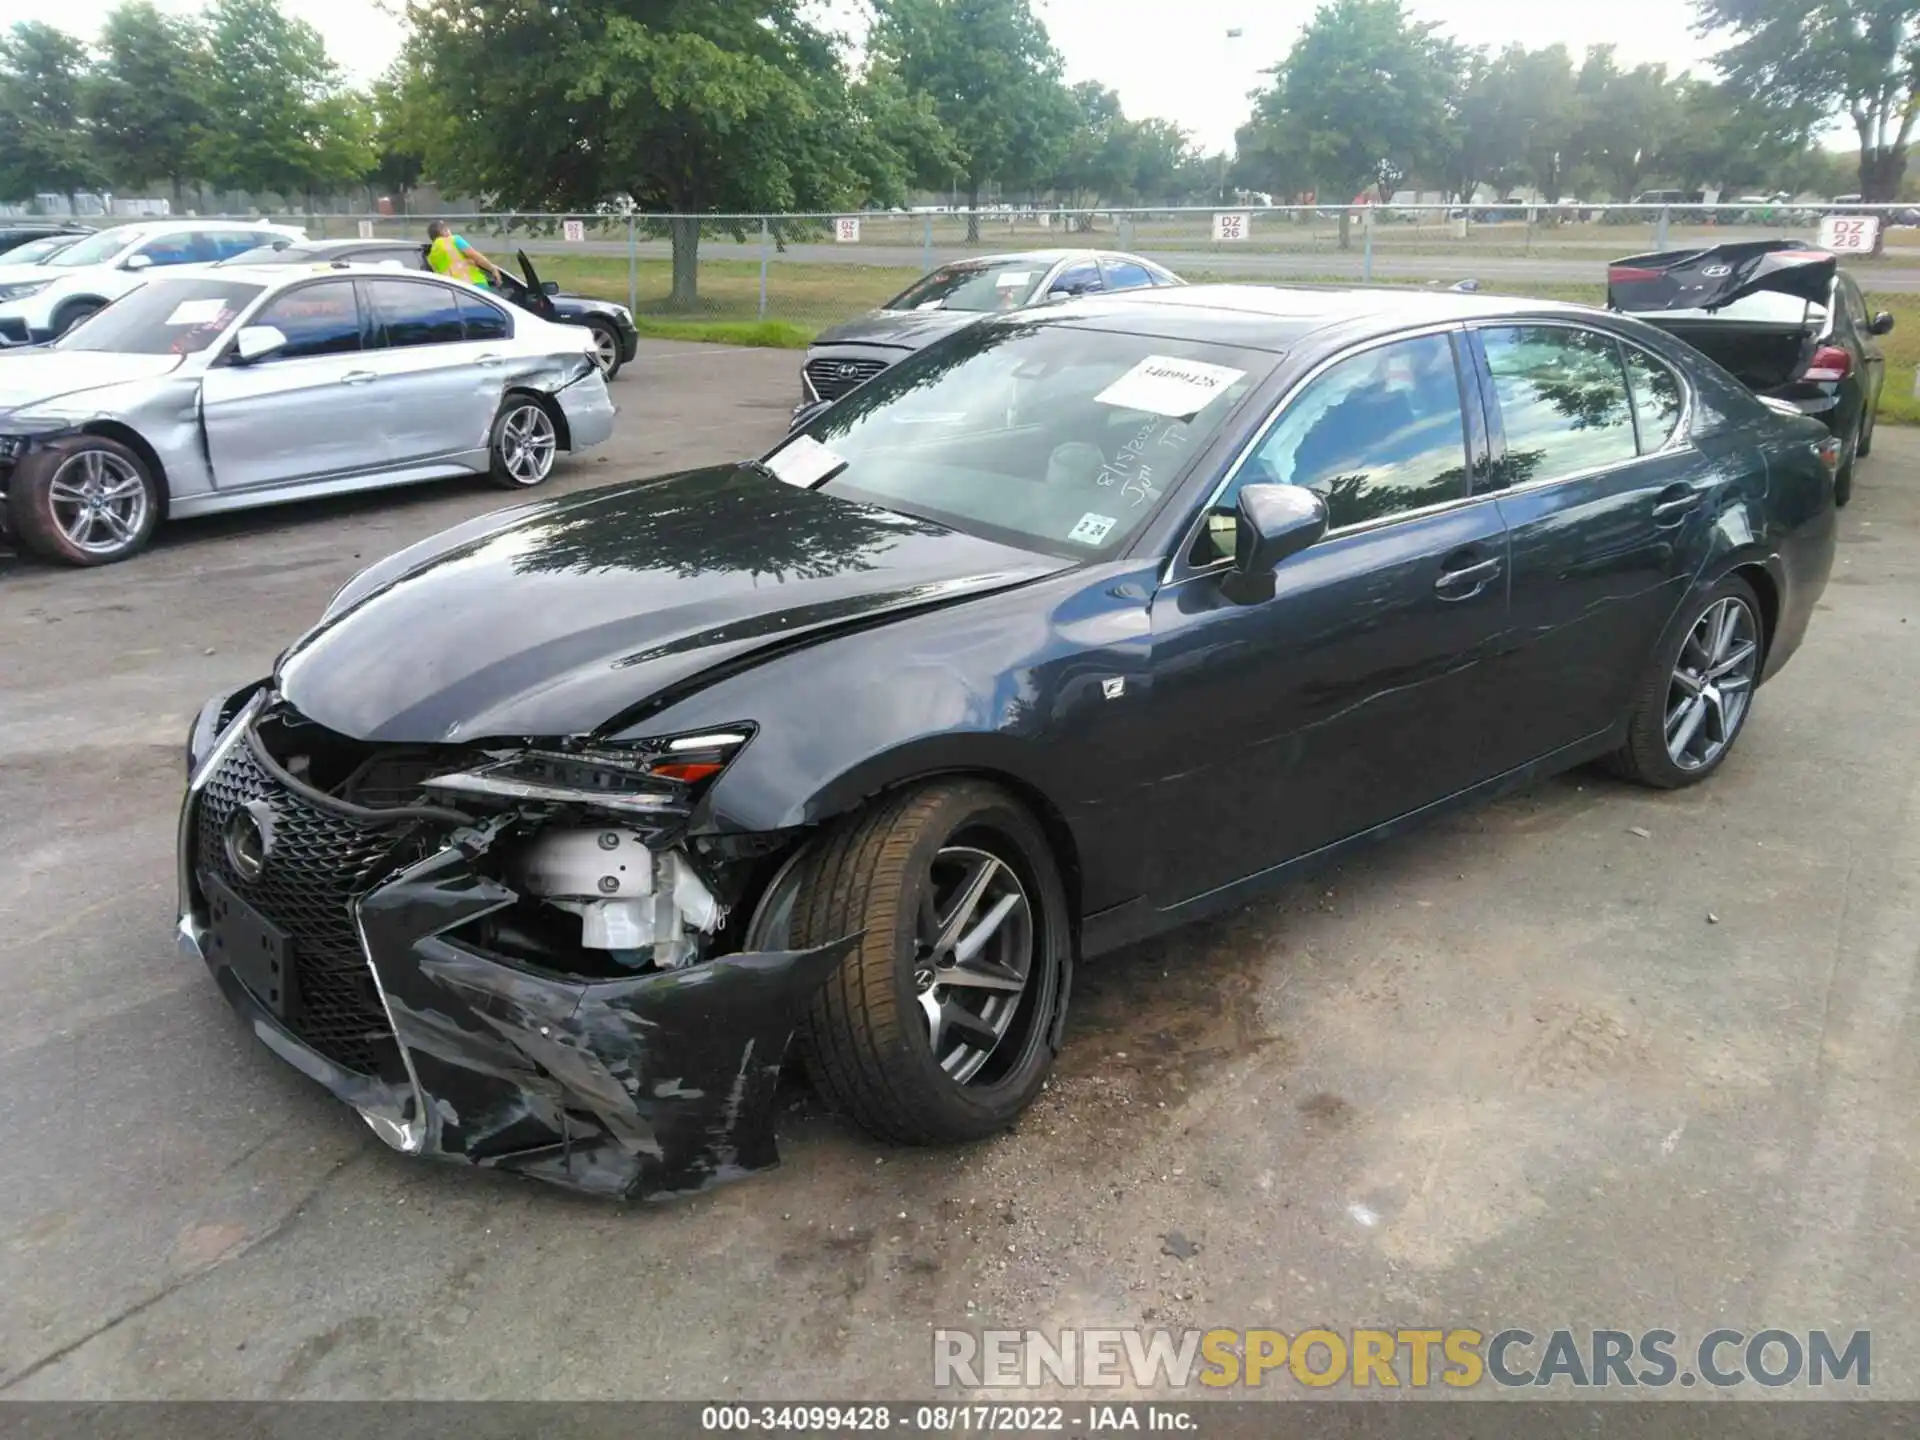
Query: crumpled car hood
point(562, 617)
point(906, 329)
point(31, 376)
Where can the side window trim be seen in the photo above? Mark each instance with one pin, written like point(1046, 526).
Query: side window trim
point(1497, 423)
point(1178, 567)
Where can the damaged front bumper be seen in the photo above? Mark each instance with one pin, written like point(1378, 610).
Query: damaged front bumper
point(639, 1087)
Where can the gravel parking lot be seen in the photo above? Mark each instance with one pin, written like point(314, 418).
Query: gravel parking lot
point(1593, 1057)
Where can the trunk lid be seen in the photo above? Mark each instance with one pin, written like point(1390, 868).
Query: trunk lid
point(1715, 277)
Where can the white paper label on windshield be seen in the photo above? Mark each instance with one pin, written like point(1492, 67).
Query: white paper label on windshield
point(929, 304)
point(1162, 385)
point(1092, 528)
point(804, 462)
point(1011, 279)
point(197, 312)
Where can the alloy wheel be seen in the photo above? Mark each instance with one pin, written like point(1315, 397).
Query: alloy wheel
point(1712, 684)
point(99, 502)
point(528, 443)
point(606, 350)
point(973, 956)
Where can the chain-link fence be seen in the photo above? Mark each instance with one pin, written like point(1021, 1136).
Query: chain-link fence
point(810, 271)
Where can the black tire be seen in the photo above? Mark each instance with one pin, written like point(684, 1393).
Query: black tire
point(1843, 478)
point(1865, 447)
point(72, 313)
point(55, 527)
point(1646, 758)
point(606, 342)
point(521, 416)
point(866, 1039)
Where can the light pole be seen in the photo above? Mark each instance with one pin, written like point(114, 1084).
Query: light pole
point(1226, 51)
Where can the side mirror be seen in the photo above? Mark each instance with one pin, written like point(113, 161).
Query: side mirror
point(137, 262)
point(1273, 523)
point(1881, 324)
point(254, 341)
point(550, 287)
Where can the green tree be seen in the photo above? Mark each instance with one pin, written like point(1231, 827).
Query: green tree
point(1162, 156)
point(1100, 157)
point(1628, 119)
point(283, 124)
point(1733, 141)
point(411, 127)
point(1361, 99)
point(45, 141)
point(993, 78)
point(147, 97)
point(899, 137)
point(1857, 58)
point(726, 106)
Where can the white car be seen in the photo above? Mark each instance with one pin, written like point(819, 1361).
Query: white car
point(205, 390)
point(41, 301)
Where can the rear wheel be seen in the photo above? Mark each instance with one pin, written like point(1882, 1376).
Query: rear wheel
point(524, 442)
point(940, 1026)
point(1866, 436)
point(606, 348)
point(83, 501)
point(1698, 692)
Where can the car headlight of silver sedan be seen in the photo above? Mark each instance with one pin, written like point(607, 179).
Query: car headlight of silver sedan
point(21, 289)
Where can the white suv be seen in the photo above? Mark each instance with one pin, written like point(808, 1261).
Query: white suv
point(41, 301)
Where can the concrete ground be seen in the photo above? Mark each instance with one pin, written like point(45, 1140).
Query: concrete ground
point(1593, 1057)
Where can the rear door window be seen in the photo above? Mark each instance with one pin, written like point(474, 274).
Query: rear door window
point(1563, 401)
point(1126, 275)
point(1081, 279)
point(411, 312)
point(1657, 398)
point(483, 321)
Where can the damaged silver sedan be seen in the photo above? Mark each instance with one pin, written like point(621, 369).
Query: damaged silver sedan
point(201, 392)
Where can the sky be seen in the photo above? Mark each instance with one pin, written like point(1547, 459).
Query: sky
point(1170, 58)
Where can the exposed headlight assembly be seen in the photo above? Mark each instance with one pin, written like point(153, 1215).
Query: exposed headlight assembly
point(646, 778)
point(21, 289)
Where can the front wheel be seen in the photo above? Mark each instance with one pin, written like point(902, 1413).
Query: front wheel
point(83, 501)
point(523, 443)
point(606, 348)
point(1698, 692)
point(940, 1027)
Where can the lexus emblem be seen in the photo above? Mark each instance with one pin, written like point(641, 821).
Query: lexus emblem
point(249, 839)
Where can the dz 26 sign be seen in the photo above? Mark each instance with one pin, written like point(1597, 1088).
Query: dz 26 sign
point(1849, 234)
point(847, 230)
point(1231, 226)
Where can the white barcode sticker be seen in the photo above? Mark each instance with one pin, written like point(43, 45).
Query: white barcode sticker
point(197, 312)
point(1162, 385)
point(804, 461)
point(1092, 528)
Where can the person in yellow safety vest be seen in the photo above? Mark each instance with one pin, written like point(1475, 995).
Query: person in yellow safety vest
point(450, 255)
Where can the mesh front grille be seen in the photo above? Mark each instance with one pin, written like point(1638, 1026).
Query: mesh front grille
point(833, 378)
point(320, 862)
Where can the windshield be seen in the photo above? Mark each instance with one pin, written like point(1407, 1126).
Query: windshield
point(98, 248)
point(979, 287)
point(1047, 436)
point(163, 317)
point(35, 252)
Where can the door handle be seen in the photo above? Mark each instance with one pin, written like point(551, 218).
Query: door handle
point(1675, 502)
point(1466, 581)
point(358, 377)
point(488, 359)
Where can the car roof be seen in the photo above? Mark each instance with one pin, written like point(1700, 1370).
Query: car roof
point(1274, 317)
point(1031, 257)
point(281, 273)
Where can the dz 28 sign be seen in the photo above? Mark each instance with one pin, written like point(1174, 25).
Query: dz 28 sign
point(1849, 234)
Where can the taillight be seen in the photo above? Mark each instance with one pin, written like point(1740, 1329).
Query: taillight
point(1830, 362)
point(1829, 451)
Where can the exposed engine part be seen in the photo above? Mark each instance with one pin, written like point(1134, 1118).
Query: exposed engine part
point(643, 907)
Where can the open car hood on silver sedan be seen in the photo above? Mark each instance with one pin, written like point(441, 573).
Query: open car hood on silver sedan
point(30, 376)
point(573, 614)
